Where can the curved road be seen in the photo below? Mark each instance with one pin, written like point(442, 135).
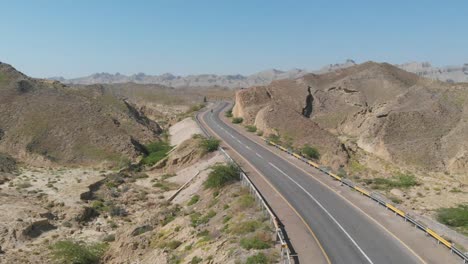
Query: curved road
point(346, 235)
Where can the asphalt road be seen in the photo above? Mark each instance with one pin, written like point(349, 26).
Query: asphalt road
point(347, 235)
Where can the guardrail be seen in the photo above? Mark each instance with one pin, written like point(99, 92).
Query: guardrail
point(378, 198)
point(245, 181)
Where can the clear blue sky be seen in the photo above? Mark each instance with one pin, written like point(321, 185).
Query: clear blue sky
point(75, 38)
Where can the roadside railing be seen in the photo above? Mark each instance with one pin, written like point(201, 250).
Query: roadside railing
point(245, 181)
point(378, 198)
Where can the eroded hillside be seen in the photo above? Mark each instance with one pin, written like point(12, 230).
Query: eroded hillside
point(388, 112)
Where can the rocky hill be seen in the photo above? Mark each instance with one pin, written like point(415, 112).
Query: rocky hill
point(395, 115)
point(47, 122)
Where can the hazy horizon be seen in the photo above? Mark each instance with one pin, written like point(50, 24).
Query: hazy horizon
point(74, 39)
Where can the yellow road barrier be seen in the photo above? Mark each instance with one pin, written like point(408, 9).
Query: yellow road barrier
point(396, 210)
point(441, 239)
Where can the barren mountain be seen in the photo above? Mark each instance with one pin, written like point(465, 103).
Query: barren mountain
point(424, 69)
point(46, 122)
point(395, 115)
point(202, 80)
point(447, 74)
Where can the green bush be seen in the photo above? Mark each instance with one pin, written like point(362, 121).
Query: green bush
point(246, 201)
point(237, 120)
point(310, 152)
point(246, 227)
point(197, 219)
point(274, 138)
point(66, 252)
point(156, 152)
point(251, 128)
point(260, 133)
point(454, 216)
point(254, 243)
point(194, 200)
point(210, 144)
point(196, 107)
point(397, 181)
point(228, 113)
point(222, 175)
point(196, 260)
point(258, 258)
point(173, 244)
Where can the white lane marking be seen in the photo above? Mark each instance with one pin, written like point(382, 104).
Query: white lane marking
point(247, 147)
point(260, 156)
point(326, 211)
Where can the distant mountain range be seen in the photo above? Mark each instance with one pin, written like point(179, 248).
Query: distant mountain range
point(447, 74)
point(424, 69)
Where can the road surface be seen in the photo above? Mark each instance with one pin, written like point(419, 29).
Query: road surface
point(346, 235)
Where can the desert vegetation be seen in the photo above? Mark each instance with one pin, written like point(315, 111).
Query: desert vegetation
point(456, 217)
point(67, 251)
point(156, 152)
point(222, 175)
point(251, 128)
point(398, 181)
point(237, 120)
point(210, 144)
point(310, 152)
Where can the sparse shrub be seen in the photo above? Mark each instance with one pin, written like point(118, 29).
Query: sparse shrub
point(165, 186)
point(274, 138)
point(288, 142)
point(246, 201)
point(196, 260)
point(237, 120)
point(197, 107)
point(203, 233)
point(194, 200)
point(197, 219)
point(228, 113)
point(222, 175)
point(245, 227)
point(455, 190)
point(254, 243)
point(23, 185)
point(259, 133)
point(210, 144)
point(116, 211)
point(226, 219)
point(397, 181)
point(310, 152)
point(167, 176)
point(395, 200)
point(258, 258)
point(172, 244)
point(67, 251)
point(141, 230)
point(109, 238)
point(251, 128)
point(454, 216)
